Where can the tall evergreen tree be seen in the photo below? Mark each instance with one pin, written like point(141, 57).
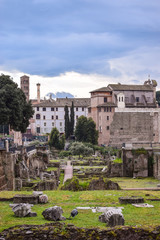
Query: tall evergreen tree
point(80, 130)
point(72, 119)
point(86, 130)
point(56, 140)
point(67, 124)
point(14, 109)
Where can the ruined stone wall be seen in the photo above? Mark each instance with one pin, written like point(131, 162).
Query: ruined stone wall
point(115, 170)
point(14, 168)
point(7, 171)
point(61, 231)
point(130, 127)
point(3, 182)
point(156, 164)
point(137, 163)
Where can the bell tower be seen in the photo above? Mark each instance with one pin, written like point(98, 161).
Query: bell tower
point(24, 83)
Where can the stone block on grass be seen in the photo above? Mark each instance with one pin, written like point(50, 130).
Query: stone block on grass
point(53, 214)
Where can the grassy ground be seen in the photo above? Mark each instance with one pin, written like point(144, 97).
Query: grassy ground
point(51, 169)
point(147, 217)
point(54, 160)
point(88, 167)
point(125, 182)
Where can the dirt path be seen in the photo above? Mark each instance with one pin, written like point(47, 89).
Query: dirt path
point(68, 172)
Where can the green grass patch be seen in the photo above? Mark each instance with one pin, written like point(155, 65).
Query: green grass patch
point(125, 182)
point(117, 160)
point(36, 180)
point(89, 167)
point(54, 160)
point(61, 180)
point(51, 169)
point(68, 200)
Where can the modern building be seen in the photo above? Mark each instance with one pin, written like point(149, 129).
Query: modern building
point(126, 114)
point(24, 84)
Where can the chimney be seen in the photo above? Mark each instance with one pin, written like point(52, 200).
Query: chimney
point(38, 92)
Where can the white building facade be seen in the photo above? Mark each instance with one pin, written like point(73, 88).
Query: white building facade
point(50, 113)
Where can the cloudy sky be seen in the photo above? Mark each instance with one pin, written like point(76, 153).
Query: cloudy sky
point(80, 45)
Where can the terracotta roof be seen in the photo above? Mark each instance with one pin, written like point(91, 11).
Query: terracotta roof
point(122, 87)
point(107, 104)
point(103, 89)
point(141, 105)
point(61, 102)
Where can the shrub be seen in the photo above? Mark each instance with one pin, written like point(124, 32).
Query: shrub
point(56, 140)
point(72, 184)
point(63, 154)
point(78, 148)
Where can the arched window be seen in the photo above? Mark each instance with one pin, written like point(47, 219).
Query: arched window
point(38, 116)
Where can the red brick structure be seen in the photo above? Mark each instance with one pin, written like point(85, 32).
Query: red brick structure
point(24, 83)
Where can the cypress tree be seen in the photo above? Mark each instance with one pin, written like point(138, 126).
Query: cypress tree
point(72, 119)
point(67, 127)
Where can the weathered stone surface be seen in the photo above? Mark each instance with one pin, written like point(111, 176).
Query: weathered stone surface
point(97, 184)
point(100, 184)
point(143, 205)
point(136, 162)
point(32, 199)
point(32, 214)
point(110, 185)
point(135, 128)
point(46, 185)
point(61, 231)
point(18, 184)
point(37, 193)
point(22, 209)
point(53, 214)
point(43, 198)
point(7, 161)
point(114, 169)
point(20, 166)
point(133, 199)
point(72, 185)
point(112, 218)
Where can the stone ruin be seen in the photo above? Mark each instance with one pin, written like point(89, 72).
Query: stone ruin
point(16, 170)
point(61, 231)
point(95, 184)
point(35, 198)
point(130, 200)
point(53, 214)
point(100, 184)
point(112, 218)
point(23, 210)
